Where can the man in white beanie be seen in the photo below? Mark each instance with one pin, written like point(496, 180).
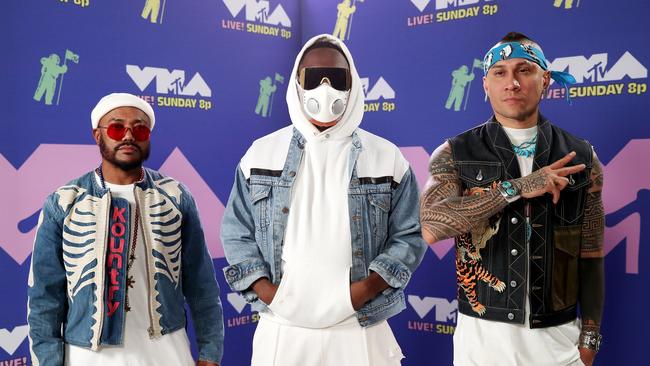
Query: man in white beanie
point(118, 253)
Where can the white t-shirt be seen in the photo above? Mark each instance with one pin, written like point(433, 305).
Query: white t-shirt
point(480, 342)
point(138, 349)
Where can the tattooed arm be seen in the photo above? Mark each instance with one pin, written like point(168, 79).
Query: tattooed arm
point(591, 267)
point(593, 226)
point(444, 213)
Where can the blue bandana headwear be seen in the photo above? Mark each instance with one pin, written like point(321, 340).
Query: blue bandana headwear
point(506, 51)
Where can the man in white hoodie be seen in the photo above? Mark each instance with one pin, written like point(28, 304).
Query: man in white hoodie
point(322, 230)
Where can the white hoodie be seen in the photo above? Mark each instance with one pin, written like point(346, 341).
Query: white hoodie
point(317, 255)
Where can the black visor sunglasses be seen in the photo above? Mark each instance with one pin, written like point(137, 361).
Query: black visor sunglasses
point(312, 77)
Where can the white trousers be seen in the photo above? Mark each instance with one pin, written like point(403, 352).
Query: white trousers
point(480, 342)
point(347, 344)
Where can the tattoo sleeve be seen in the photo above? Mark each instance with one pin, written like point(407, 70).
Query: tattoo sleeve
point(591, 267)
point(593, 226)
point(444, 213)
point(532, 182)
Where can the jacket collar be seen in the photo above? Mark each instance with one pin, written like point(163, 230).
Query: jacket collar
point(145, 184)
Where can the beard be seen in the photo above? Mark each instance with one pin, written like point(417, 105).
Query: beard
point(110, 155)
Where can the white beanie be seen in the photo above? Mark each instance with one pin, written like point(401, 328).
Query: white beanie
point(116, 100)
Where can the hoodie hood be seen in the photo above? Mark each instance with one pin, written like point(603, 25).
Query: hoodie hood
point(353, 114)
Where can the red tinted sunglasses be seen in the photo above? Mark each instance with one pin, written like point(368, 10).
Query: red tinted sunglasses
point(117, 131)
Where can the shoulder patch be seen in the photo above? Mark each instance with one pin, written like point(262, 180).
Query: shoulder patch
point(268, 152)
point(68, 194)
point(380, 158)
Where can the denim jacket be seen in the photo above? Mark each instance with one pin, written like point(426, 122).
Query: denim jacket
point(383, 210)
point(68, 297)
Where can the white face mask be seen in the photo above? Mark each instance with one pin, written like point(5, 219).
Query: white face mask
point(324, 103)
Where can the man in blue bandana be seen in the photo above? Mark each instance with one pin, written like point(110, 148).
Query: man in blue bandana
point(522, 197)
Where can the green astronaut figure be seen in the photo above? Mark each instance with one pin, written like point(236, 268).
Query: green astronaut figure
point(461, 77)
point(266, 89)
point(342, 18)
point(50, 71)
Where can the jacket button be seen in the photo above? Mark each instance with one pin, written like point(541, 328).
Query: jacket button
point(327, 135)
point(285, 210)
point(514, 220)
point(513, 283)
point(511, 316)
point(358, 253)
point(514, 252)
point(292, 173)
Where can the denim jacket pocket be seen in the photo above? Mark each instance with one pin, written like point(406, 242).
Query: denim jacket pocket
point(379, 209)
point(260, 199)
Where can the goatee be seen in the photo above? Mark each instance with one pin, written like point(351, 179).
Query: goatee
point(110, 155)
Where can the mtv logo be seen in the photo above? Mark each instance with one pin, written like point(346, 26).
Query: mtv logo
point(168, 82)
point(445, 310)
point(259, 11)
point(237, 301)
point(10, 341)
point(594, 69)
point(381, 89)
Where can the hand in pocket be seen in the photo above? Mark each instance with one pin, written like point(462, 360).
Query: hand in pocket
point(358, 294)
point(265, 290)
point(365, 290)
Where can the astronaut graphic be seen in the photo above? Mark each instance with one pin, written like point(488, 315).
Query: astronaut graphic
point(152, 9)
point(460, 78)
point(50, 71)
point(268, 88)
point(568, 4)
point(342, 19)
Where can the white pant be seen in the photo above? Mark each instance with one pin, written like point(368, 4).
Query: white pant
point(347, 344)
point(480, 342)
point(138, 350)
